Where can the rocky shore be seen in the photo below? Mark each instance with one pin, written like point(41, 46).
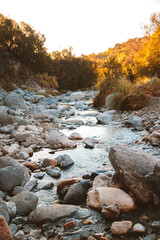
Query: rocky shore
point(120, 199)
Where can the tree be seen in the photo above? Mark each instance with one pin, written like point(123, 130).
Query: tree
point(154, 24)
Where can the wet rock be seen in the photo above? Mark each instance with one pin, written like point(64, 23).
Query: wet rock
point(121, 228)
point(135, 169)
point(39, 175)
point(25, 202)
point(107, 195)
point(66, 183)
point(31, 184)
point(110, 211)
point(77, 193)
point(106, 117)
point(139, 228)
point(13, 228)
point(75, 136)
point(157, 175)
point(58, 139)
point(2, 195)
point(48, 186)
point(52, 212)
point(69, 225)
point(5, 233)
point(90, 142)
point(15, 101)
point(4, 210)
point(64, 161)
point(55, 173)
point(81, 105)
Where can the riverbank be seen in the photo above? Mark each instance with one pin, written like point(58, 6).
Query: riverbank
point(62, 182)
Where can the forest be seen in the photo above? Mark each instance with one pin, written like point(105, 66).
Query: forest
point(24, 60)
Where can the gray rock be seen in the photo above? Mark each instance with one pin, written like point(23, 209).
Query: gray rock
point(12, 209)
point(39, 175)
point(2, 195)
point(13, 227)
point(135, 169)
point(109, 102)
point(3, 93)
point(4, 210)
point(52, 212)
point(25, 201)
point(48, 186)
point(15, 101)
point(64, 161)
point(10, 177)
point(81, 105)
point(6, 162)
point(19, 235)
point(17, 190)
point(31, 184)
point(53, 172)
point(22, 137)
point(151, 237)
point(77, 194)
point(6, 129)
point(6, 119)
point(106, 117)
point(89, 142)
point(37, 98)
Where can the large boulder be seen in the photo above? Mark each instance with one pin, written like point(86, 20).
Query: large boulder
point(12, 174)
point(134, 168)
point(108, 195)
point(15, 101)
point(52, 212)
point(25, 202)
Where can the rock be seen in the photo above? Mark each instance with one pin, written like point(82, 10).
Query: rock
point(52, 212)
point(12, 209)
point(64, 161)
point(81, 105)
point(39, 175)
point(58, 139)
point(69, 225)
point(121, 228)
point(110, 211)
point(5, 233)
point(31, 165)
point(107, 195)
point(13, 148)
point(25, 202)
point(15, 101)
point(109, 102)
point(157, 175)
point(135, 169)
point(48, 186)
point(151, 237)
point(74, 122)
point(6, 119)
point(55, 173)
point(23, 155)
point(101, 181)
point(77, 193)
point(37, 98)
point(22, 137)
point(6, 129)
point(139, 228)
point(2, 195)
point(10, 177)
point(89, 142)
point(106, 117)
point(19, 235)
point(75, 136)
point(17, 190)
point(66, 183)
point(4, 210)
point(31, 184)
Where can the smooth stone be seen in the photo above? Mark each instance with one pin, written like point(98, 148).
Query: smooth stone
point(12, 209)
point(139, 228)
point(121, 227)
point(64, 161)
point(108, 195)
point(75, 136)
point(52, 212)
point(4, 210)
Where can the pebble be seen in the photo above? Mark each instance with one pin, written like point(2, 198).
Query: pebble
point(121, 227)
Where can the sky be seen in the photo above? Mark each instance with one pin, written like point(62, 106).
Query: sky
point(89, 26)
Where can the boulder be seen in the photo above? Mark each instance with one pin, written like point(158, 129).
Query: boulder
point(10, 181)
point(109, 102)
point(52, 212)
point(108, 195)
point(15, 101)
point(25, 202)
point(134, 168)
point(5, 233)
